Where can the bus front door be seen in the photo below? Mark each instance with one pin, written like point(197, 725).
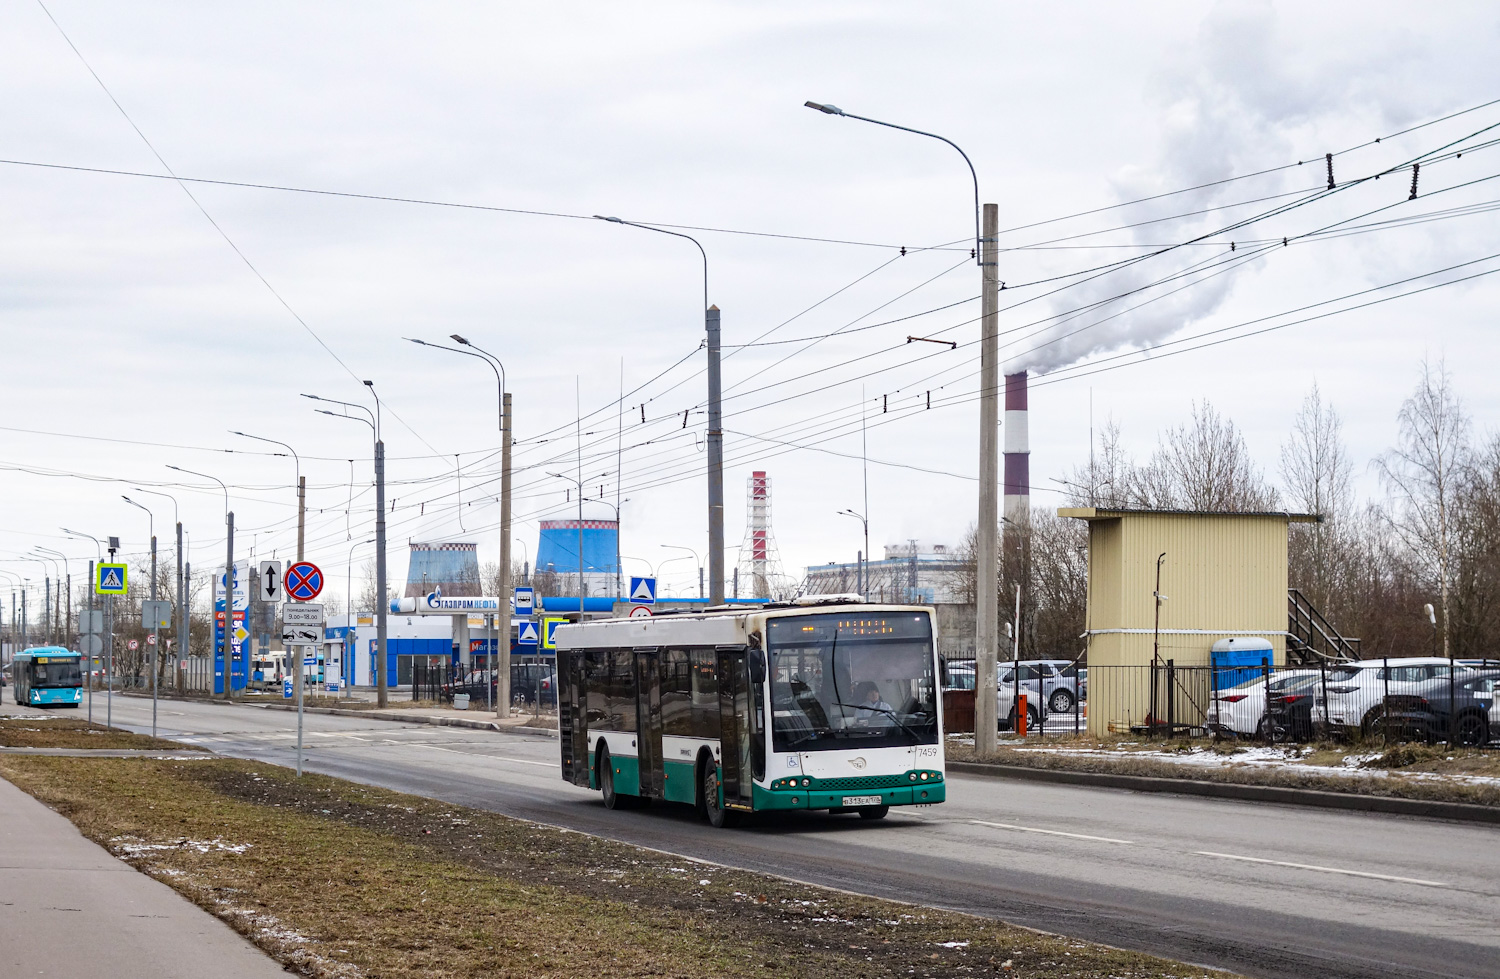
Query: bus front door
point(735, 736)
point(648, 711)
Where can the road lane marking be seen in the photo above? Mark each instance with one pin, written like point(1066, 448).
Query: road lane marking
point(472, 754)
point(1051, 832)
point(1326, 870)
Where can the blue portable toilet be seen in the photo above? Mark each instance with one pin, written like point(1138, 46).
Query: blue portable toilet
point(1239, 658)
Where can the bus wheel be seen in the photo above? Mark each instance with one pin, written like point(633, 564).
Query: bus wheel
point(718, 816)
point(874, 812)
point(607, 779)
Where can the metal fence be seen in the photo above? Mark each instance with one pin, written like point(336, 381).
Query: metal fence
point(431, 680)
point(1382, 700)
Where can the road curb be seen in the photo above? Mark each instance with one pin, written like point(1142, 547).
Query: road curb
point(1462, 811)
point(473, 723)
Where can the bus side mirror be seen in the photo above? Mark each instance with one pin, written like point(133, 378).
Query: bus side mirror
point(942, 670)
point(758, 666)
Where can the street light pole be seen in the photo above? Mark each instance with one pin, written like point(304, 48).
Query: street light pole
point(697, 559)
point(99, 555)
point(715, 424)
point(155, 634)
point(301, 488)
point(180, 619)
point(987, 624)
point(866, 524)
point(505, 585)
point(382, 685)
point(228, 645)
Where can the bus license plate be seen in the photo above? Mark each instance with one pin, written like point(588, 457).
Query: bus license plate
point(861, 800)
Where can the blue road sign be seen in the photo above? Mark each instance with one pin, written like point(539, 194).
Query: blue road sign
point(525, 602)
point(286, 688)
point(643, 591)
point(549, 627)
point(527, 636)
point(110, 579)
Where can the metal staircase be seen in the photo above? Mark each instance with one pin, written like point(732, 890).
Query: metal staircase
point(1311, 638)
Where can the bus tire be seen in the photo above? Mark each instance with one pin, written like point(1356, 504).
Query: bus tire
point(718, 816)
point(705, 759)
point(607, 778)
point(874, 812)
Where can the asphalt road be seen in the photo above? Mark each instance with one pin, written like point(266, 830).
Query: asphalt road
point(1261, 889)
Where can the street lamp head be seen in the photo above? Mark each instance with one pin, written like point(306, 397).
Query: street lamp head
point(458, 339)
point(313, 396)
point(369, 384)
point(612, 220)
point(831, 110)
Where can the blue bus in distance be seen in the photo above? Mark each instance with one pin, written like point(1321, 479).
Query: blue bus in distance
point(48, 676)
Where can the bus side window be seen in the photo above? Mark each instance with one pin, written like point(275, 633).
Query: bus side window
point(705, 672)
point(622, 690)
point(676, 693)
point(596, 689)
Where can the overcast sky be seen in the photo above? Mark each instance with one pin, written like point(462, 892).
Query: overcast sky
point(127, 317)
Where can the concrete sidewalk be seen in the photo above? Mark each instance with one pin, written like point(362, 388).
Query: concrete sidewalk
point(69, 909)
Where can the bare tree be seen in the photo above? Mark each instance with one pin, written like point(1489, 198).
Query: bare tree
point(1317, 474)
point(1202, 465)
point(1424, 474)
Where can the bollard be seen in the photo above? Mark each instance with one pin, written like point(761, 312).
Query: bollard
point(1021, 716)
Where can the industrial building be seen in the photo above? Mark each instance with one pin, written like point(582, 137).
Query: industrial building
point(1165, 588)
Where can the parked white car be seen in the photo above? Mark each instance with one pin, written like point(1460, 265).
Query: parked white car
point(1240, 710)
point(1357, 691)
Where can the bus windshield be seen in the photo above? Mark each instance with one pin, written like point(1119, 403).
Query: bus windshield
point(852, 681)
point(49, 672)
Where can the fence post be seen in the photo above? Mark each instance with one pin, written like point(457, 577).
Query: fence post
point(1323, 669)
point(1265, 670)
point(1171, 699)
point(1213, 682)
point(1152, 720)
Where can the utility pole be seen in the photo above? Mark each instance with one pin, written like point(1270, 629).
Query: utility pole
point(229, 605)
point(180, 621)
point(503, 614)
point(155, 637)
point(715, 465)
point(382, 695)
point(987, 625)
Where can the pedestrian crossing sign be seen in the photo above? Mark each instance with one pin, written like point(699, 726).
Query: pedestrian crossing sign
point(549, 628)
point(109, 579)
point(527, 636)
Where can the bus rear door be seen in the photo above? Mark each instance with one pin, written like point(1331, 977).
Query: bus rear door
point(648, 715)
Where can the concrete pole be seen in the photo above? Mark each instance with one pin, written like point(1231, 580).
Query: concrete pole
point(987, 624)
point(229, 605)
point(502, 615)
point(88, 671)
point(155, 637)
point(179, 622)
point(715, 464)
point(382, 695)
point(301, 514)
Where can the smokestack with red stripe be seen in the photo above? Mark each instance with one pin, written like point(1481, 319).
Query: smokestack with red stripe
point(1017, 480)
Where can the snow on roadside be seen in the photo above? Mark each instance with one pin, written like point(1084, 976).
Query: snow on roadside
point(1262, 757)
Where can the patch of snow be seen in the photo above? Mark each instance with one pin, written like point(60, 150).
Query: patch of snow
point(135, 848)
point(952, 944)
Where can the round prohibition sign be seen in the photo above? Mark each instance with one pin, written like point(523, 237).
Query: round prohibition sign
point(303, 581)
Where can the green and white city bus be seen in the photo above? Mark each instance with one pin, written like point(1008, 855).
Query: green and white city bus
point(674, 708)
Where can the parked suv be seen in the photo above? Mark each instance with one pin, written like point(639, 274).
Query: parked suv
point(1357, 691)
point(1468, 704)
point(1052, 682)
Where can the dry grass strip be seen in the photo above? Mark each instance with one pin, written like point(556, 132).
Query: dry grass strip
point(342, 880)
